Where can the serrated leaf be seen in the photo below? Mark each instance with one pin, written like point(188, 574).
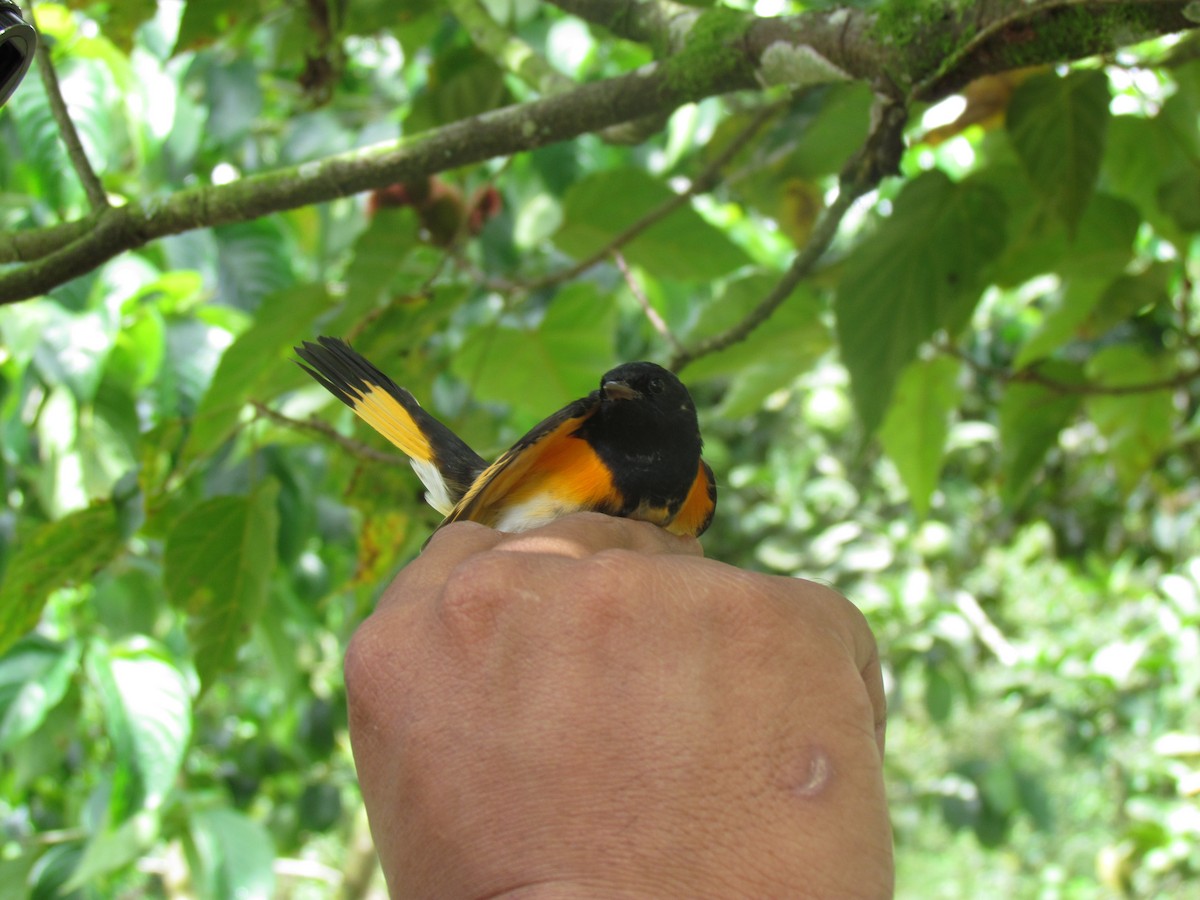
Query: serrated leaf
point(216, 566)
point(1057, 126)
point(1031, 417)
point(538, 370)
point(282, 321)
point(921, 271)
point(1136, 425)
point(54, 555)
point(915, 429)
point(231, 856)
point(148, 718)
point(34, 677)
point(682, 246)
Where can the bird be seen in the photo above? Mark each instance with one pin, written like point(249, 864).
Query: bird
point(631, 448)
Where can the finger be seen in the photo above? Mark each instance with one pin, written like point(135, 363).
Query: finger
point(861, 640)
point(446, 550)
point(580, 535)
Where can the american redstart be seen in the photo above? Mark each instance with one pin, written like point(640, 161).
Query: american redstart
point(630, 448)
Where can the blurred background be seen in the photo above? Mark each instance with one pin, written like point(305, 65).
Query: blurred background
point(976, 416)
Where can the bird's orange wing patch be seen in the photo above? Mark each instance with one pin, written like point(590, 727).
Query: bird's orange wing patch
point(547, 475)
point(696, 513)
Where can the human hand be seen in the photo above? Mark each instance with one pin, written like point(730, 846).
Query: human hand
point(592, 709)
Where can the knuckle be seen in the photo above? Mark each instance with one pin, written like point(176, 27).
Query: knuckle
point(477, 590)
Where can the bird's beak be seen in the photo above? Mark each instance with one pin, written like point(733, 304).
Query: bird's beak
point(618, 390)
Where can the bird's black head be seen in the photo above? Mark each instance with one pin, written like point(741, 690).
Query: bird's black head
point(649, 388)
point(645, 428)
point(647, 410)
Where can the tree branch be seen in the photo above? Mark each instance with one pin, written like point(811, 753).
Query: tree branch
point(96, 194)
point(722, 51)
point(1031, 375)
point(353, 447)
point(656, 321)
point(660, 23)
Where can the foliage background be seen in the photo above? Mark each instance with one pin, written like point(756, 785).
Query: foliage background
point(976, 416)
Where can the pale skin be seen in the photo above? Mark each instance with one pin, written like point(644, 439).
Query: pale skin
point(592, 709)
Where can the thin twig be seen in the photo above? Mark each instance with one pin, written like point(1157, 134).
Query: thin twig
point(97, 196)
point(701, 183)
point(657, 322)
point(1031, 375)
point(362, 451)
point(878, 156)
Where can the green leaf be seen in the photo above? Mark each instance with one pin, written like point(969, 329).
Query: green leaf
point(1136, 425)
point(34, 677)
point(380, 253)
point(230, 855)
point(15, 876)
point(254, 261)
point(1179, 198)
point(538, 370)
point(682, 246)
point(1103, 243)
point(204, 21)
point(112, 849)
point(1063, 320)
point(773, 355)
point(939, 694)
point(148, 718)
point(1031, 417)
point(921, 271)
point(463, 82)
point(1057, 125)
point(217, 566)
point(915, 429)
point(281, 322)
point(54, 555)
point(125, 18)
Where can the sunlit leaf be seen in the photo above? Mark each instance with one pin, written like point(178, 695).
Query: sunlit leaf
point(148, 718)
point(231, 856)
point(918, 420)
point(681, 246)
point(217, 565)
point(112, 849)
point(15, 875)
point(34, 676)
point(282, 321)
point(921, 271)
point(540, 369)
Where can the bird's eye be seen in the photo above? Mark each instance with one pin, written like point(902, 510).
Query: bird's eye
point(655, 386)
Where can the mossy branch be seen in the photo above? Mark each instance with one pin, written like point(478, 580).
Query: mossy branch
point(717, 51)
